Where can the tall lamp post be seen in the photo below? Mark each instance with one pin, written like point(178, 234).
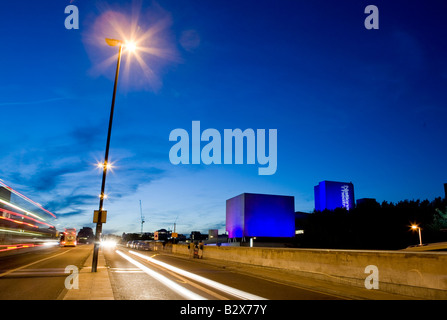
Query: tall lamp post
point(105, 166)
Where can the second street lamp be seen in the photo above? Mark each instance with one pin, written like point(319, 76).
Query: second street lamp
point(415, 227)
point(113, 43)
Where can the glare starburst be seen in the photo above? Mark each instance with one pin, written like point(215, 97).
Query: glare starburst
point(148, 45)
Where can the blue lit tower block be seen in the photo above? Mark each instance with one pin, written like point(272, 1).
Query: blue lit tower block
point(260, 215)
point(331, 195)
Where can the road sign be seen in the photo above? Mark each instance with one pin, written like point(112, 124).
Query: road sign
point(103, 216)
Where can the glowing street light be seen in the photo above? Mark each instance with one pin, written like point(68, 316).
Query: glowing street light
point(113, 42)
point(130, 46)
point(416, 227)
point(136, 41)
point(101, 165)
point(106, 165)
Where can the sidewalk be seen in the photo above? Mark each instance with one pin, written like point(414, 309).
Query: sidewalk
point(92, 285)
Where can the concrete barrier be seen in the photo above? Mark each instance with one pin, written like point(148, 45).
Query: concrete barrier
point(416, 274)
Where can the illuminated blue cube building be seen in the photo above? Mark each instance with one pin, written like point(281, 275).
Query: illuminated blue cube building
point(260, 215)
point(330, 195)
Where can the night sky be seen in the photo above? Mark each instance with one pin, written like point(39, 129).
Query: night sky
point(349, 104)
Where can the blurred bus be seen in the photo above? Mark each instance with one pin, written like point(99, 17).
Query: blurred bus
point(68, 238)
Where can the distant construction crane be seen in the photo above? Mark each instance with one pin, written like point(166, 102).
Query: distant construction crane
point(175, 223)
point(142, 218)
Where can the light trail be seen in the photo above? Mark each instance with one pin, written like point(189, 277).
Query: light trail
point(21, 232)
point(9, 247)
point(26, 198)
point(19, 222)
point(224, 288)
point(25, 217)
point(169, 283)
point(20, 209)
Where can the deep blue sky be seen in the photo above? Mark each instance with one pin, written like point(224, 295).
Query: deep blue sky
point(349, 104)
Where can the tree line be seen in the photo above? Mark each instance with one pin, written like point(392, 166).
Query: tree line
point(372, 225)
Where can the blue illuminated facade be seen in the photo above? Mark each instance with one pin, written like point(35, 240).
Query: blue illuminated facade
point(330, 195)
point(260, 215)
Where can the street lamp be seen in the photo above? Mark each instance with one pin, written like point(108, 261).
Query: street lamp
point(106, 165)
point(416, 227)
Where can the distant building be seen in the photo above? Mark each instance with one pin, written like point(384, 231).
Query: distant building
point(161, 234)
point(85, 235)
point(197, 236)
point(215, 238)
point(213, 233)
point(260, 215)
point(330, 195)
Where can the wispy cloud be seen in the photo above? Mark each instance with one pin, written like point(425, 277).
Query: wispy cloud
point(15, 103)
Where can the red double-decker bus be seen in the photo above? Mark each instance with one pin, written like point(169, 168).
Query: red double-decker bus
point(68, 238)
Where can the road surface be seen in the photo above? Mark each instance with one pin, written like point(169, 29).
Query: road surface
point(139, 275)
point(39, 274)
